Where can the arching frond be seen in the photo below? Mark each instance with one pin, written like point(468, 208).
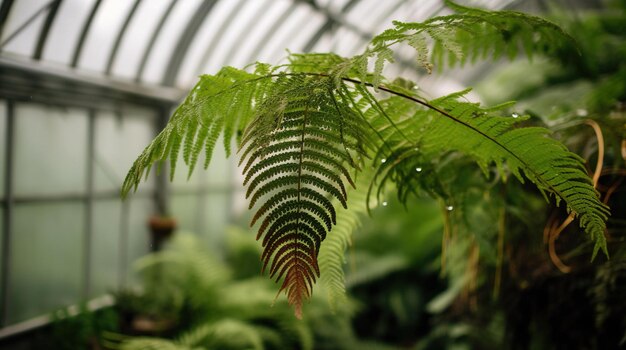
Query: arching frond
point(451, 124)
point(304, 128)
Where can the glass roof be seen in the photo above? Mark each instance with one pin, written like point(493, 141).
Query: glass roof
point(171, 42)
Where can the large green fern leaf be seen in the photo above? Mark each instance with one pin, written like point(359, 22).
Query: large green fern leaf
point(298, 158)
point(428, 130)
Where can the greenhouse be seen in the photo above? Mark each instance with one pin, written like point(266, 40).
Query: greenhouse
point(312, 174)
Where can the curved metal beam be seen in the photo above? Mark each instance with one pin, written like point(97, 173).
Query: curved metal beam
point(235, 45)
point(155, 35)
point(120, 36)
point(83, 34)
point(217, 38)
point(271, 31)
point(330, 23)
point(5, 9)
point(185, 41)
point(45, 29)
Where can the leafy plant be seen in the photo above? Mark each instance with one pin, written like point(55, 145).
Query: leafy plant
point(306, 129)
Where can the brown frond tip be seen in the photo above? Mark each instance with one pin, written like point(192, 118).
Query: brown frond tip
point(298, 285)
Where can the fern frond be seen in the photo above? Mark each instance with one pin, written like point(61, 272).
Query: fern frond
point(218, 105)
point(465, 36)
point(450, 124)
point(305, 128)
point(295, 154)
point(331, 255)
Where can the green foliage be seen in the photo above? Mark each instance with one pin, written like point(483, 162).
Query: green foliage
point(207, 308)
point(306, 127)
point(331, 256)
point(81, 329)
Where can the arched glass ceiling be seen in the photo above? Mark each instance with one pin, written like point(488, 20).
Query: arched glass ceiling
point(170, 42)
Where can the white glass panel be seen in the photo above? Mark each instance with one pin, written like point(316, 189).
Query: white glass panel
point(168, 39)
point(192, 65)
point(333, 6)
point(1, 240)
point(343, 42)
point(50, 150)
point(119, 140)
point(264, 19)
point(105, 246)
point(231, 37)
point(294, 34)
point(3, 133)
point(253, 22)
point(137, 37)
point(102, 34)
point(138, 232)
point(215, 217)
point(222, 24)
point(66, 30)
point(187, 208)
point(46, 259)
point(21, 11)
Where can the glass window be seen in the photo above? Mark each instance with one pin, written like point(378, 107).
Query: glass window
point(215, 217)
point(209, 31)
point(25, 41)
point(50, 150)
point(105, 246)
point(168, 39)
point(218, 22)
point(66, 30)
point(264, 18)
point(187, 210)
point(294, 34)
point(232, 37)
point(119, 140)
point(1, 240)
point(3, 133)
point(102, 34)
point(137, 37)
point(138, 233)
point(218, 174)
point(46, 258)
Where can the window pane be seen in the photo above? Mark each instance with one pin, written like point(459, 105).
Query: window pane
point(138, 234)
point(119, 140)
point(102, 34)
point(66, 30)
point(215, 217)
point(46, 259)
point(187, 209)
point(1, 240)
point(205, 215)
point(137, 36)
point(3, 133)
point(218, 174)
point(21, 11)
point(105, 246)
point(167, 40)
point(50, 150)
